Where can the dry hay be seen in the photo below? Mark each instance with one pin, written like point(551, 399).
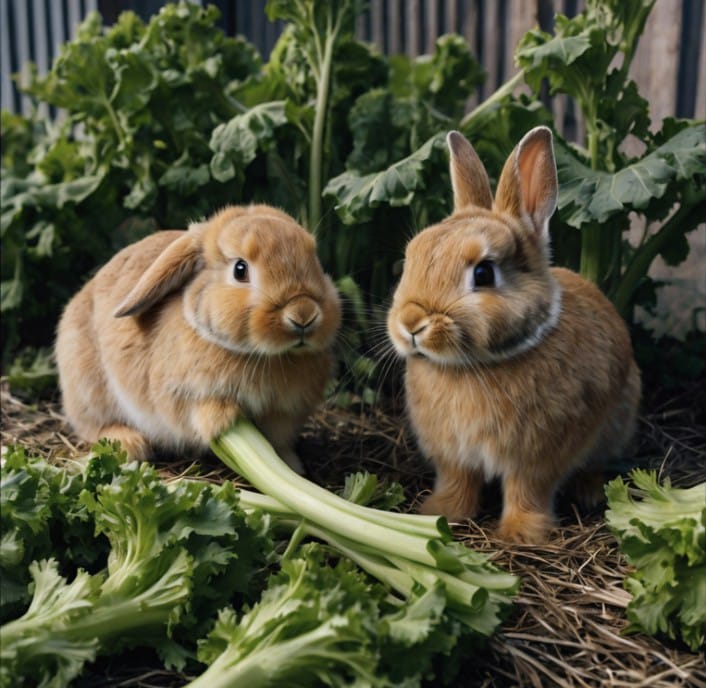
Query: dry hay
point(568, 621)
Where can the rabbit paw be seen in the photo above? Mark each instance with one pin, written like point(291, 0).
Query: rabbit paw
point(529, 528)
point(456, 494)
point(132, 442)
point(213, 416)
point(448, 505)
point(586, 488)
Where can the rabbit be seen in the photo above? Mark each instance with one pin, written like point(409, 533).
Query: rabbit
point(182, 332)
point(513, 369)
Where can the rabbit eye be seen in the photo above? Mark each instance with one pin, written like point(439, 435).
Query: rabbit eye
point(240, 271)
point(484, 274)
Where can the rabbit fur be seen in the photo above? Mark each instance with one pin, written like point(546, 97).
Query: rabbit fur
point(513, 369)
point(184, 331)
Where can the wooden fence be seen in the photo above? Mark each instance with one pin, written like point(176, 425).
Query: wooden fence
point(670, 66)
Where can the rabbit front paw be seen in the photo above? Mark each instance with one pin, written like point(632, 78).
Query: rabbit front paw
point(529, 528)
point(213, 416)
point(132, 442)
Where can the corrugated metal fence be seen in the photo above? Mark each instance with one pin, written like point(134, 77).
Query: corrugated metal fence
point(670, 66)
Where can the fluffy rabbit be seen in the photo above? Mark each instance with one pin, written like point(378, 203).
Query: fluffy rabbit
point(513, 369)
point(181, 332)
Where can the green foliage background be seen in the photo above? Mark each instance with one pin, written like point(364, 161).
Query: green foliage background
point(167, 121)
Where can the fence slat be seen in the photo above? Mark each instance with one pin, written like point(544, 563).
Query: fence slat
point(701, 74)
point(657, 59)
point(24, 52)
point(6, 92)
point(377, 23)
point(412, 26)
point(394, 40)
point(33, 30)
point(431, 25)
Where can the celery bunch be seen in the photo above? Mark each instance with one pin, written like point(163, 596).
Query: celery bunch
point(405, 552)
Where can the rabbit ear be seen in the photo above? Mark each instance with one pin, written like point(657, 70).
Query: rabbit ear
point(528, 183)
point(468, 176)
point(171, 270)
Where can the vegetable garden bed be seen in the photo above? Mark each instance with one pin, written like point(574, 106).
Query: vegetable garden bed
point(569, 617)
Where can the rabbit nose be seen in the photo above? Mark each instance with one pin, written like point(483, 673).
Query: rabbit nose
point(301, 328)
point(414, 320)
point(417, 332)
point(302, 314)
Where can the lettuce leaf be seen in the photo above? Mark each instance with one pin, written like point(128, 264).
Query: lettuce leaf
point(169, 556)
point(662, 533)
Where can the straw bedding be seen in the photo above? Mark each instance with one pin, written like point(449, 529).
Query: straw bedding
point(567, 627)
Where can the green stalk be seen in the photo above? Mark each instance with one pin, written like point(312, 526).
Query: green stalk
point(591, 250)
point(114, 614)
point(467, 591)
point(126, 617)
point(398, 557)
point(505, 90)
point(592, 235)
point(246, 451)
point(249, 501)
point(114, 121)
point(373, 564)
point(689, 214)
point(323, 87)
point(317, 142)
point(243, 448)
point(267, 665)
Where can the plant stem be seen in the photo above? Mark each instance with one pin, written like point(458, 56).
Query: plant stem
point(317, 142)
point(360, 524)
point(590, 267)
point(114, 121)
point(505, 90)
point(240, 446)
point(689, 214)
point(592, 236)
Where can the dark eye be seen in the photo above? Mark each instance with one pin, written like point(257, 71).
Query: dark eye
point(240, 271)
point(484, 274)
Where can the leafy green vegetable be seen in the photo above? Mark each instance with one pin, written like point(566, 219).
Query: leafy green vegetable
point(42, 517)
point(398, 134)
point(236, 142)
point(147, 98)
point(589, 195)
point(403, 551)
point(314, 624)
point(177, 553)
point(358, 196)
point(323, 624)
point(40, 644)
point(662, 533)
point(168, 556)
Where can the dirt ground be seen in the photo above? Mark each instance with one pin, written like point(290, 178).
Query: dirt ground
point(568, 623)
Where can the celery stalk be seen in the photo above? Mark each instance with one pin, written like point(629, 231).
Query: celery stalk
point(402, 551)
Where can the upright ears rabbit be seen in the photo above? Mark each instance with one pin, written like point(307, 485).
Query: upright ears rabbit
point(513, 369)
point(183, 331)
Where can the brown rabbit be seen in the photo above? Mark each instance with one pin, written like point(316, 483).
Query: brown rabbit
point(183, 331)
point(513, 369)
